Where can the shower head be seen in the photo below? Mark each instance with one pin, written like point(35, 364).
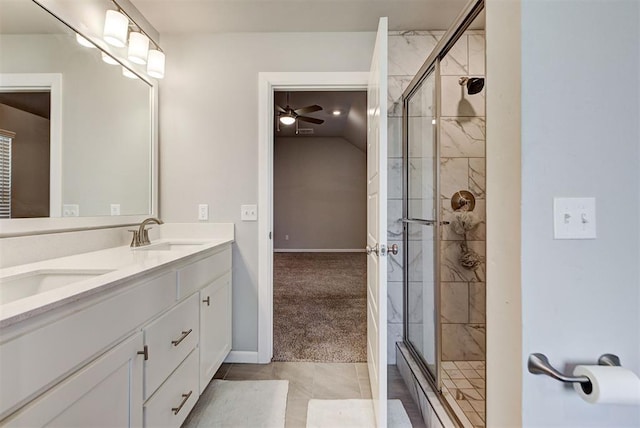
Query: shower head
point(473, 84)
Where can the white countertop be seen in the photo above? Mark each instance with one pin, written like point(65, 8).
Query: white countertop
point(125, 262)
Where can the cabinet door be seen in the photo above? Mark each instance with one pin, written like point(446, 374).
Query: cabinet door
point(215, 327)
point(106, 393)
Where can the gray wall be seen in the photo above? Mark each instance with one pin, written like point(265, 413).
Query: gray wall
point(319, 194)
point(580, 137)
point(209, 133)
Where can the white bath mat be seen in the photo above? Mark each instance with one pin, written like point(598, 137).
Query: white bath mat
point(241, 404)
point(353, 414)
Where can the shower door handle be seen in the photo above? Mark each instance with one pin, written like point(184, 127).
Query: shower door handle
point(369, 249)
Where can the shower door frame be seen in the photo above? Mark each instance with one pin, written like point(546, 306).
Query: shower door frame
point(432, 65)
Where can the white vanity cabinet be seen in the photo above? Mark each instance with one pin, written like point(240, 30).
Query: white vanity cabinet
point(138, 355)
point(215, 327)
point(105, 393)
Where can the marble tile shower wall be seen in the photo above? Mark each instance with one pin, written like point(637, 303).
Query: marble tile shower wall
point(462, 146)
point(462, 167)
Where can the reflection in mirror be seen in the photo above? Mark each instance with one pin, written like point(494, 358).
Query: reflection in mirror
point(83, 131)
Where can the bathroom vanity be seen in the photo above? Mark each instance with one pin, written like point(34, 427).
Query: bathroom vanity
point(116, 337)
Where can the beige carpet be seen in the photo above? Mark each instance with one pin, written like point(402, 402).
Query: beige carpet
point(319, 307)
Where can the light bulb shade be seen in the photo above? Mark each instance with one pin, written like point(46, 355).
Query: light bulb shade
point(287, 120)
point(84, 42)
point(138, 48)
point(155, 64)
point(116, 26)
point(109, 59)
point(128, 73)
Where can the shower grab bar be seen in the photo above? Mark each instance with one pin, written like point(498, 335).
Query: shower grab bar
point(539, 364)
point(424, 222)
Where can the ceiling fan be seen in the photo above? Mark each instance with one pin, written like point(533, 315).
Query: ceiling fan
point(289, 116)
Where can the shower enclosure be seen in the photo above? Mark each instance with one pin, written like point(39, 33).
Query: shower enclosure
point(443, 217)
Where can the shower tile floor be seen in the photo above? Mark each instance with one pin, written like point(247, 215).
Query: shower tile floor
point(465, 382)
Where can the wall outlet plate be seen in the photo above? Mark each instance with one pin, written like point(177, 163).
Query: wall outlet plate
point(249, 212)
point(203, 212)
point(70, 210)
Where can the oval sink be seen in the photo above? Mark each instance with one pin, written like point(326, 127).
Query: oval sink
point(29, 284)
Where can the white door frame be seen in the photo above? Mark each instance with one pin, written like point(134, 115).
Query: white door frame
point(268, 83)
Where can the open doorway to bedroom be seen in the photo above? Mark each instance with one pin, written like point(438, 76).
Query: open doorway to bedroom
point(319, 226)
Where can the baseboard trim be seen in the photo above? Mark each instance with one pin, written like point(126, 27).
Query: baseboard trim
point(318, 250)
point(249, 357)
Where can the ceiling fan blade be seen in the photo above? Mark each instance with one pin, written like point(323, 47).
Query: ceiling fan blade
point(308, 109)
point(280, 109)
point(311, 120)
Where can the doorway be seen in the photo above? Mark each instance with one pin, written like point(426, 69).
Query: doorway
point(319, 234)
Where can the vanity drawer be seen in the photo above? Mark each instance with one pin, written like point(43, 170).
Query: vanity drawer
point(195, 276)
point(169, 339)
point(38, 359)
point(171, 404)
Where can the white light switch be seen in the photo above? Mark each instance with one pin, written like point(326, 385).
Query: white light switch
point(574, 218)
point(203, 212)
point(249, 212)
point(115, 209)
point(70, 210)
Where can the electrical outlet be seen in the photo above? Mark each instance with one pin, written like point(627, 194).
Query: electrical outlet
point(203, 212)
point(70, 210)
point(115, 209)
point(249, 212)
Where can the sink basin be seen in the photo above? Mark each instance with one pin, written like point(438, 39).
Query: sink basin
point(172, 246)
point(31, 283)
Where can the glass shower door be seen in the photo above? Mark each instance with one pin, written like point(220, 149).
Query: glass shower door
point(421, 219)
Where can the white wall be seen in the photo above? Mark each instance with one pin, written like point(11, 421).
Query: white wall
point(209, 133)
point(580, 137)
point(319, 194)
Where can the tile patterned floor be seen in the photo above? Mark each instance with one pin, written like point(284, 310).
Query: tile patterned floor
point(465, 381)
point(309, 380)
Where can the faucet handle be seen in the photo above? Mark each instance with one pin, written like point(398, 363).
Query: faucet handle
point(135, 239)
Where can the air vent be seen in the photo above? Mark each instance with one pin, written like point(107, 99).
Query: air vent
point(305, 131)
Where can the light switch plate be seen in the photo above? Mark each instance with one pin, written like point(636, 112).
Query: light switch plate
point(115, 209)
point(574, 218)
point(249, 212)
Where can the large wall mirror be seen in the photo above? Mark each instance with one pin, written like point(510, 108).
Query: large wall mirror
point(82, 132)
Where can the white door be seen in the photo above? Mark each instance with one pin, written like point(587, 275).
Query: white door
point(377, 225)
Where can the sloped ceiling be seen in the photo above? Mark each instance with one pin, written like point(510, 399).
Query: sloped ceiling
point(205, 16)
point(351, 124)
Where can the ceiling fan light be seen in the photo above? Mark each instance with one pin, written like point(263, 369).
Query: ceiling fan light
point(116, 26)
point(287, 120)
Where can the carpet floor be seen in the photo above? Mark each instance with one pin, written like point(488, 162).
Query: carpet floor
point(320, 307)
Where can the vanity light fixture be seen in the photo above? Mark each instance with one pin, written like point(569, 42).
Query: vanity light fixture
point(116, 27)
point(84, 42)
point(155, 63)
point(138, 47)
point(128, 73)
point(109, 59)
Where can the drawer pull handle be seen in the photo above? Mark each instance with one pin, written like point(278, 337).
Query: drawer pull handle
point(145, 352)
point(184, 335)
point(185, 397)
point(207, 301)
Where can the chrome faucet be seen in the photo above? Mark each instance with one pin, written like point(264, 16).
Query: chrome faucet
point(141, 236)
